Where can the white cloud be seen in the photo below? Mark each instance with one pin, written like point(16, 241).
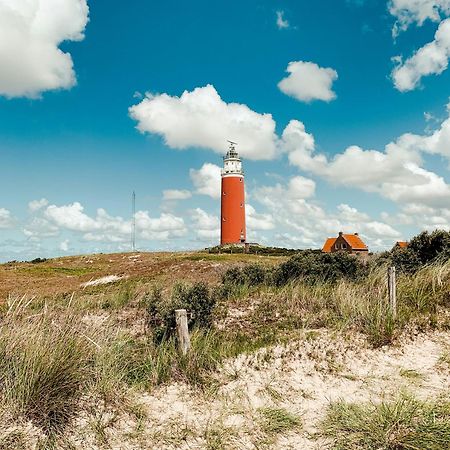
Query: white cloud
point(206, 226)
point(30, 33)
point(431, 59)
point(257, 221)
point(160, 228)
point(395, 174)
point(307, 82)
point(39, 227)
point(408, 12)
point(106, 228)
point(36, 205)
point(282, 23)
point(176, 194)
point(202, 119)
point(6, 220)
point(207, 180)
point(305, 224)
point(64, 245)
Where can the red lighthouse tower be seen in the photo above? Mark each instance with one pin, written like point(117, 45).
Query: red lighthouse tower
point(233, 199)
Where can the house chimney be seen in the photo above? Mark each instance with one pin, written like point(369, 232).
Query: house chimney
point(356, 234)
point(340, 233)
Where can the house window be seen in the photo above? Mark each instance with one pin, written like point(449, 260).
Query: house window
point(343, 246)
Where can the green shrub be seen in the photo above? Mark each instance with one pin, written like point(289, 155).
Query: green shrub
point(425, 248)
point(430, 246)
point(196, 299)
point(250, 275)
point(319, 267)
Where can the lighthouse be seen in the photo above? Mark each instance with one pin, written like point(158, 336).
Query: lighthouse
point(232, 199)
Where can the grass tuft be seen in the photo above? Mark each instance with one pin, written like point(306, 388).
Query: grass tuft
point(402, 424)
point(278, 420)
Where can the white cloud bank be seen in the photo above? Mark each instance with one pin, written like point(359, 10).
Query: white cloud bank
point(200, 118)
point(51, 220)
point(30, 33)
point(395, 173)
point(307, 82)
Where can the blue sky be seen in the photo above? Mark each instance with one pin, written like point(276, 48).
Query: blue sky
point(70, 145)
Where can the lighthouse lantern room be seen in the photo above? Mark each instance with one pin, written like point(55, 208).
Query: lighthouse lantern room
point(232, 199)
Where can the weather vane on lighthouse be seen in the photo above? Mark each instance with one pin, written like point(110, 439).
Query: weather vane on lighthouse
point(232, 230)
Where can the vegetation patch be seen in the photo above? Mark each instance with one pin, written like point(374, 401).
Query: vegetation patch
point(278, 420)
point(402, 424)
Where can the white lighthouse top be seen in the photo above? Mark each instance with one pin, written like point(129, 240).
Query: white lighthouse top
point(232, 163)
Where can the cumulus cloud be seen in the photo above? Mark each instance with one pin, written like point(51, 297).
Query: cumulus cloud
point(6, 220)
point(207, 180)
point(200, 118)
point(36, 205)
point(176, 194)
point(282, 23)
point(431, 59)
point(206, 226)
point(307, 82)
point(30, 33)
point(103, 227)
point(408, 12)
point(396, 173)
point(258, 221)
point(302, 223)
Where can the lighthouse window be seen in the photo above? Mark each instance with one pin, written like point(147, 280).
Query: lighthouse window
point(240, 179)
point(242, 205)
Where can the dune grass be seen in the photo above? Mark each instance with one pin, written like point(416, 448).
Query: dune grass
point(52, 360)
point(402, 424)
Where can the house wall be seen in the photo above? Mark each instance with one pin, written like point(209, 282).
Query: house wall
point(341, 245)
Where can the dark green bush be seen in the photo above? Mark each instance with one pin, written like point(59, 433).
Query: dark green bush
point(431, 246)
point(196, 299)
point(250, 275)
point(320, 267)
point(405, 260)
point(425, 248)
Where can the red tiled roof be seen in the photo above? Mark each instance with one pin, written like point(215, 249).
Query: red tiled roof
point(354, 241)
point(402, 244)
point(328, 245)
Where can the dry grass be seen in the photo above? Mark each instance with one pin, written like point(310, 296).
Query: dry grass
point(59, 354)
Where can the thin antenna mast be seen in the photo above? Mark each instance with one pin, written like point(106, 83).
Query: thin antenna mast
point(133, 230)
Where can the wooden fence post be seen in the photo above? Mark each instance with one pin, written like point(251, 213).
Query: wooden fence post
point(392, 289)
point(182, 330)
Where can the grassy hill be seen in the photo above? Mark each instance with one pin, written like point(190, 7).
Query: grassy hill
point(299, 352)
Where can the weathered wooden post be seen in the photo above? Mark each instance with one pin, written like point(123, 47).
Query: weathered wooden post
point(392, 289)
point(182, 330)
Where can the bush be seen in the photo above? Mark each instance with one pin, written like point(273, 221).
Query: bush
point(319, 267)
point(425, 248)
point(196, 299)
point(250, 275)
point(430, 246)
